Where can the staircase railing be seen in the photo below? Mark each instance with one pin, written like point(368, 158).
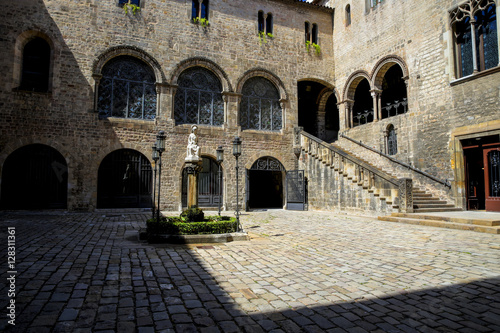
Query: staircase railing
point(395, 191)
point(443, 182)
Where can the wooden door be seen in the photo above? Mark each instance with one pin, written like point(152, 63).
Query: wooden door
point(492, 178)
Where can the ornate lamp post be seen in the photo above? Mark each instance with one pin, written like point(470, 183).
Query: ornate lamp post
point(155, 157)
point(220, 158)
point(160, 147)
point(237, 153)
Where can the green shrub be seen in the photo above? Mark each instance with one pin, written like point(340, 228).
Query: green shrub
point(193, 215)
point(175, 226)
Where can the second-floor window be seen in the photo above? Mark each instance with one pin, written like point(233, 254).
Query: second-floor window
point(265, 23)
point(475, 32)
point(127, 89)
point(198, 99)
point(199, 10)
point(36, 65)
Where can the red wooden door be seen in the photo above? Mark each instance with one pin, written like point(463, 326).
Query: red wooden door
point(492, 178)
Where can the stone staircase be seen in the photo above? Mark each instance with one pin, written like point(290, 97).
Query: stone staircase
point(450, 221)
point(424, 202)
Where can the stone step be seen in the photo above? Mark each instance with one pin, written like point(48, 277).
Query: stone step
point(443, 224)
point(432, 205)
point(422, 195)
point(482, 221)
point(436, 209)
point(429, 202)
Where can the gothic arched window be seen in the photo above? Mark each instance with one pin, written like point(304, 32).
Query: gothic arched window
point(476, 42)
point(36, 65)
point(127, 89)
point(198, 99)
point(260, 105)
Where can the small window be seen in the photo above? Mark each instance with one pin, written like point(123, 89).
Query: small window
point(392, 140)
point(36, 66)
point(347, 15)
point(261, 21)
point(314, 34)
point(199, 10)
point(132, 2)
point(269, 24)
point(307, 31)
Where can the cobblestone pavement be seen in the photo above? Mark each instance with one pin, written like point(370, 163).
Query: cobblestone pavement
point(301, 272)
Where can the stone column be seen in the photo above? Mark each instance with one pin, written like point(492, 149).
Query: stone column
point(406, 195)
point(193, 170)
point(377, 110)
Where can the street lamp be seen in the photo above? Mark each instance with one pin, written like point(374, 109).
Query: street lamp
point(220, 158)
point(237, 153)
point(160, 148)
point(155, 157)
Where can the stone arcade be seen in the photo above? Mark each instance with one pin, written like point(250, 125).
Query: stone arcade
point(340, 105)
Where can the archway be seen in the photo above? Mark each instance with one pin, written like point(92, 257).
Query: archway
point(34, 177)
point(332, 121)
point(308, 93)
point(363, 104)
point(209, 184)
point(265, 184)
point(124, 180)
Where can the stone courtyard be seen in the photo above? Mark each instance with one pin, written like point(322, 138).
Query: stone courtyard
point(300, 272)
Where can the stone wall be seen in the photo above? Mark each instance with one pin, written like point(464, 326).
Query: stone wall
point(83, 34)
point(420, 35)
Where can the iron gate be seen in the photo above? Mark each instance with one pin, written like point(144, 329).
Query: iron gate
point(295, 190)
point(124, 180)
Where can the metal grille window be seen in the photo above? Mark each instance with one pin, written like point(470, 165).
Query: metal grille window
point(198, 99)
point(127, 89)
point(260, 106)
point(392, 141)
point(494, 173)
point(475, 31)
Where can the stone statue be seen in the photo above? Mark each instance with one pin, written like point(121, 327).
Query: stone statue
point(192, 147)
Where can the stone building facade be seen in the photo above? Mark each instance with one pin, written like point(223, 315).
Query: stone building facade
point(89, 84)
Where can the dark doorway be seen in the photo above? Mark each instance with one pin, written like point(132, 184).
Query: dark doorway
point(209, 184)
point(482, 172)
point(265, 184)
point(308, 93)
point(124, 180)
point(332, 122)
point(34, 177)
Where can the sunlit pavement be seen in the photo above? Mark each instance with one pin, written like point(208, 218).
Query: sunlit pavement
point(301, 271)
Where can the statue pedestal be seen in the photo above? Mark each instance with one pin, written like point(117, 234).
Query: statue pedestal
point(193, 169)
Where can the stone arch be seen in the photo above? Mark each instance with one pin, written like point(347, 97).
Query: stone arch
point(34, 176)
point(125, 50)
point(383, 65)
point(266, 183)
point(205, 63)
point(124, 179)
point(275, 80)
point(353, 81)
point(324, 99)
point(21, 40)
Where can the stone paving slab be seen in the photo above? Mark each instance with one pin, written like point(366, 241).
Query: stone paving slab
point(300, 272)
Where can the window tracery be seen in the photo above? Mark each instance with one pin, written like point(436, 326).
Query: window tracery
point(198, 99)
point(475, 32)
point(260, 107)
point(127, 89)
